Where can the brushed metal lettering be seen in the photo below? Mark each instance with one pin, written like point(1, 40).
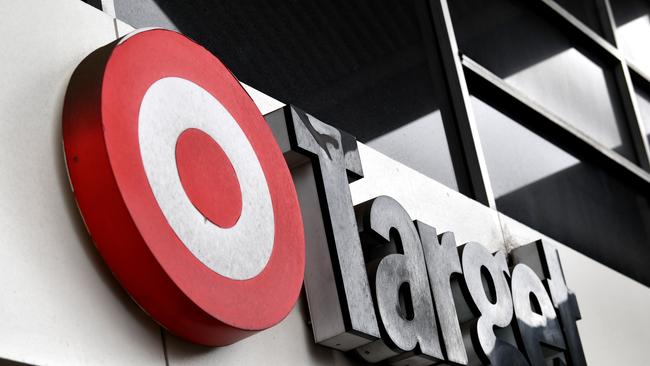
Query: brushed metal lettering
point(350, 321)
point(493, 310)
point(544, 259)
point(403, 299)
point(441, 257)
point(536, 321)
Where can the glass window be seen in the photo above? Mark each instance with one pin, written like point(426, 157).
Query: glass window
point(358, 65)
point(523, 48)
point(573, 201)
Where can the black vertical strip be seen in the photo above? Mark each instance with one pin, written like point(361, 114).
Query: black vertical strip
point(164, 345)
point(607, 24)
point(625, 88)
point(463, 139)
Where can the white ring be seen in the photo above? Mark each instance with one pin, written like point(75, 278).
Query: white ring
point(169, 107)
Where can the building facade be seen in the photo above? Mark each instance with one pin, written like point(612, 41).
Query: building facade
point(502, 121)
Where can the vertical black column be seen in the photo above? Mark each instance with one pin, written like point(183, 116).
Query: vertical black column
point(458, 116)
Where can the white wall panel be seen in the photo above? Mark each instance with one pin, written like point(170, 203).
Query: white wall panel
point(288, 343)
point(59, 304)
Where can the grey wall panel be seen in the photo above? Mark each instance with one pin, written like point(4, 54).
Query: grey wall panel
point(142, 14)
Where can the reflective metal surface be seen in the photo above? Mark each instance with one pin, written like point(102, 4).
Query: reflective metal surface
point(546, 262)
point(351, 322)
point(486, 283)
point(398, 272)
point(443, 262)
point(536, 322)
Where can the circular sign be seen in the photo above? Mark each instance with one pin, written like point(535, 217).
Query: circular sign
point(183, 187)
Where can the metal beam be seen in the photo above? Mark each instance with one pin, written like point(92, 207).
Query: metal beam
point(607, 23)
point(589, 39)
point(606, 49)
point(462, 114)
point(493, 90)
point(578, 32)
point(633, 116)
point(625, 89)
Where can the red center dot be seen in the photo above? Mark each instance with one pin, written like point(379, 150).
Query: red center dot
point(208, 177)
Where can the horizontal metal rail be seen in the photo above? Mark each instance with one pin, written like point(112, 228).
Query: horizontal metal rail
point(588, 38)
point(495, 91)
point(607, 52)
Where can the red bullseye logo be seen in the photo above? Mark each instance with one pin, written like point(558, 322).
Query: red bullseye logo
point(183, 188)
point(201, 163)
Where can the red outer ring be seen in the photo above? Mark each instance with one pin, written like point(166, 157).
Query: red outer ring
point(100, 134)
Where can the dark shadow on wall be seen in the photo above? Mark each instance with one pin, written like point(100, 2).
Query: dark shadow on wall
point(361, 66)
point(356, 64)
point(5, 362)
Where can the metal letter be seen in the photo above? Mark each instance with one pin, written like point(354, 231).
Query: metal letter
point(403, 299)
point(493, 310)
point(338, 291)
point(441, 257)
point(544, 259)
point(536, 321)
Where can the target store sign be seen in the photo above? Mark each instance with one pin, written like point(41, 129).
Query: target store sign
point(183, 187)
point(188, 198)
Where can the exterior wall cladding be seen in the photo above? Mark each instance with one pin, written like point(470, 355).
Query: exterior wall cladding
point(501, 110)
